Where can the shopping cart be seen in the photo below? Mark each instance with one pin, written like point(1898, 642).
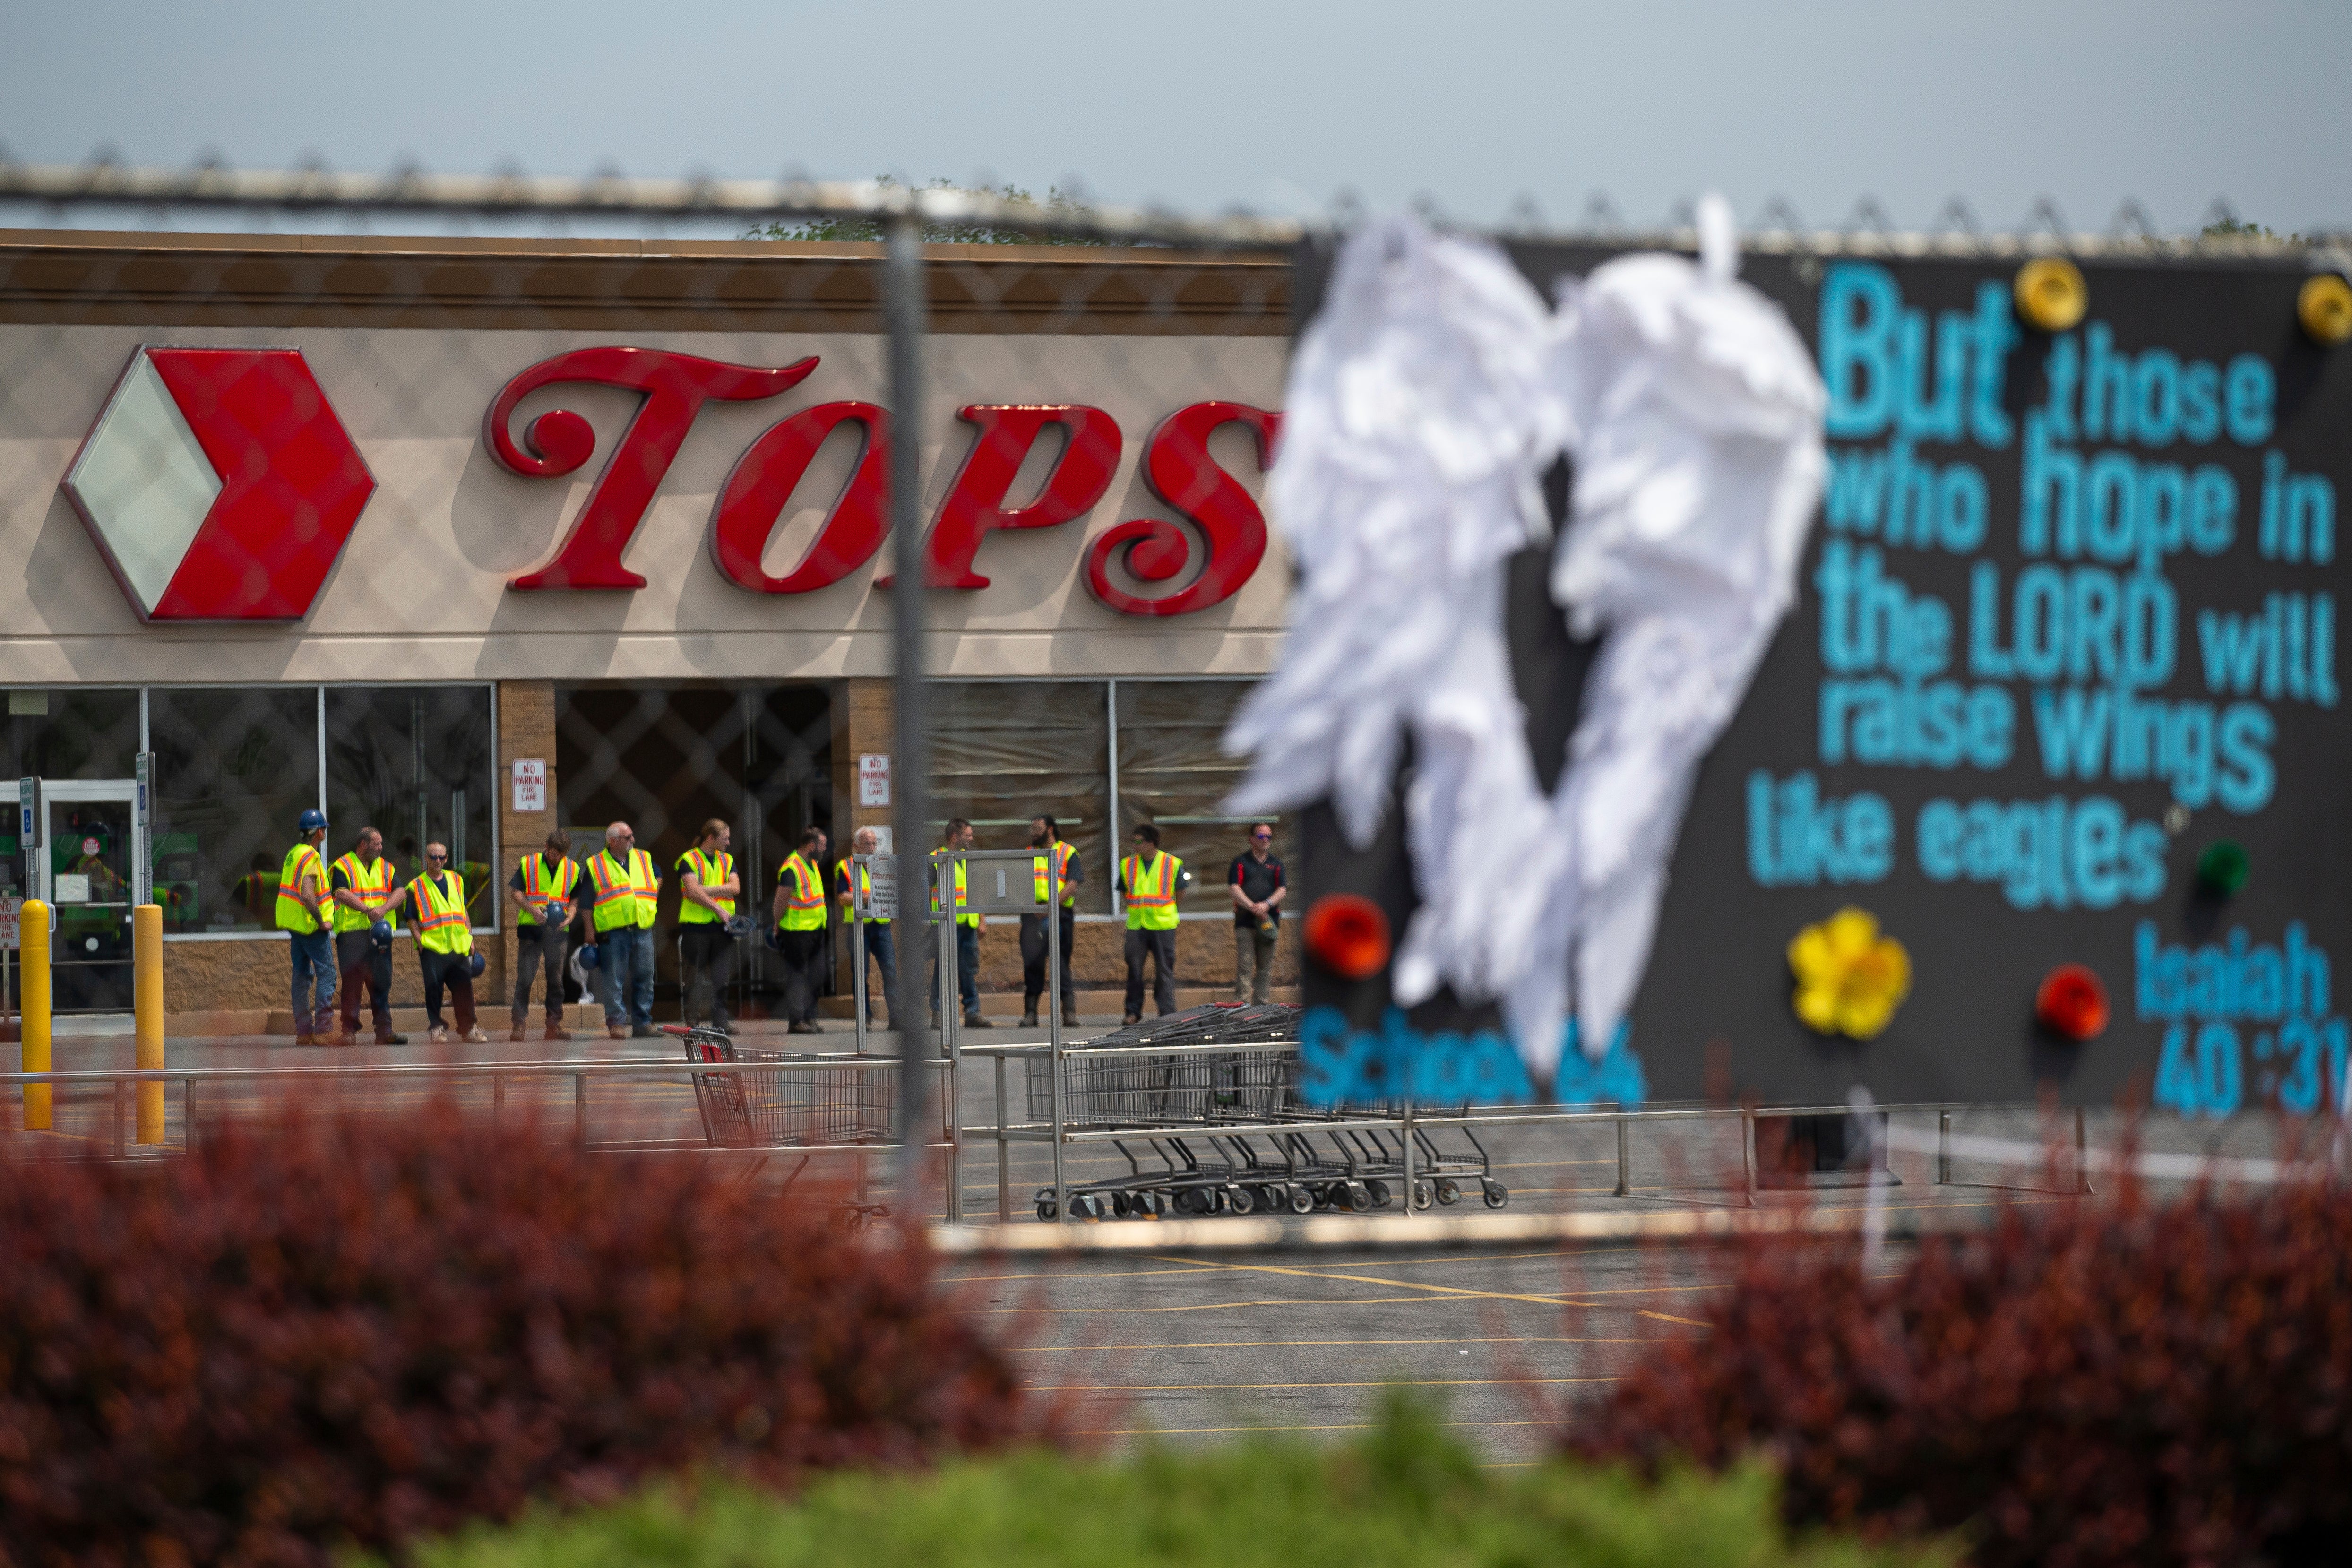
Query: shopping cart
point(786, 1100)
point(1206, 1094)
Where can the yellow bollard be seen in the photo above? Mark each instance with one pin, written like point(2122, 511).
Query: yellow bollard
point(34, 922)
point(147, 1014)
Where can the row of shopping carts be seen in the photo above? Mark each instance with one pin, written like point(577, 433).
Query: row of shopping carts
point(1204, 1106)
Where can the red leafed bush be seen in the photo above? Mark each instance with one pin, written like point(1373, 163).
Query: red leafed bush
point(2092, 1384)
point(330, 1331)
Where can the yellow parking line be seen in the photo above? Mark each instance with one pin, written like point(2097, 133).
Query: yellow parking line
point(1224, 1306)
point(1453, 1291)
point(1336, 1344)
point(1333, 1427)
point(1236, 1387)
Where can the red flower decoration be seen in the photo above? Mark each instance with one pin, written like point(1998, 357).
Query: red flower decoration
point(2072, 1003)
point(1347, 934)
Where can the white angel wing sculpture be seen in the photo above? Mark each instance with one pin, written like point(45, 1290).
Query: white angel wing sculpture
point(1424, 403)
point(1420, 410)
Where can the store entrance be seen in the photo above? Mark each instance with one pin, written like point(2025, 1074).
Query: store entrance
point(85, 851)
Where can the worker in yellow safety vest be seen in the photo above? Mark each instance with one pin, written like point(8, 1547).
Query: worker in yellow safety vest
point(444, 945)
point(800, 916)
point(626, 891)
point(1150, 880)
point(366, 894)
point(876, 932)
point(541, 891)
point(303, 914)
point(960, 835)
point(707, 888)
point(1057, 866)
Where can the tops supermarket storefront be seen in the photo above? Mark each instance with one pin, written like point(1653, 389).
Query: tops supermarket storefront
point(396, 526)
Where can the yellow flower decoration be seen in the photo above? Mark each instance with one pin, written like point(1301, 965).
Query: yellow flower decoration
point(1849, 979)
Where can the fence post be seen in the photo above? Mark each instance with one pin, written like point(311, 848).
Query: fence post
point(1943, 1148)
point(580, 1108)
point(2082, 1151)
point(33, 921)
point(1625, 1158)
point(147, 1013)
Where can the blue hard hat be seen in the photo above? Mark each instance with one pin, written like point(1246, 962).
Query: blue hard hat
point(382, 933)
point(588, 955)
point(312, 820)
point(476, 963)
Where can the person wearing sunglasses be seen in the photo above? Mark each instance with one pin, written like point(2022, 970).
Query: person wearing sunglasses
point(444, 945)
point(1257, 883)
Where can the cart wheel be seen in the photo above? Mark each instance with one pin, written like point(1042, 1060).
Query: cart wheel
point(1301, 1201)
point(1359, 1197)
point(1241, 1199)
point(1422, 1195)
point(1380, 1193)
point(1046, 1208)
point(1496, 1194)
point(1120, 1206)
point(1449, 1191)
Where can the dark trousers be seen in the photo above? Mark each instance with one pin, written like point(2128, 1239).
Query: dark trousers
point(539, 947)
point(885, 955)
point(455, 971)
point(967, 940)
point(1159, 946)
point(314, 980)
point(362, 962)
point(804, 953)
point(1032, 960)
point(706, 962)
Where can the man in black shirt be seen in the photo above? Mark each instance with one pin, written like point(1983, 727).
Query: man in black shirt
point(1259, 887)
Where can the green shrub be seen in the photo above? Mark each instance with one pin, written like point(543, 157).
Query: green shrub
point(1406, 1495)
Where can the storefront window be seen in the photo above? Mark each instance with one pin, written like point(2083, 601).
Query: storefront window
point(1173, 772)
point(416, 762)
point(1004, 752)
point(235, 766)
point(62, 734)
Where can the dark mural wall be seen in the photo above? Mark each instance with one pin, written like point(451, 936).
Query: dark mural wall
point(2066, 623)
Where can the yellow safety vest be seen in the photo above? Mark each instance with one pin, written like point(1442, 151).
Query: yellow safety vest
point(372, 885)
point(1151, 891)
point(1061, 853)
point(710, 873)
point(864, 886)
point(303, 868)
point(539, 885)
point(441, 924)
point(962, 897)
point(625, 895)
point(803, 886)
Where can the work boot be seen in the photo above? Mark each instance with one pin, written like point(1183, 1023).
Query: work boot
point(1131, 1018)
point(1029, 1019)
point(556, 1032)
point(1069, 1016)
point(616, 1031)
point(515, 1033)
point(641, 1031)
point(386, 1037)
point(974, 1021)
point(302, 1039)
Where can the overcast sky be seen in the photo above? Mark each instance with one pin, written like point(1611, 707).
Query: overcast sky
point(1207, 103)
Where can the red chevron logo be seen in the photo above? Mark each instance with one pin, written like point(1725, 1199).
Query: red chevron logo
point(219, 484)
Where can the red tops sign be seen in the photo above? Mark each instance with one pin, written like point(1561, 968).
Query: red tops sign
point(1176, 465)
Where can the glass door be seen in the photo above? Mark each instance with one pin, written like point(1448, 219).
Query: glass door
point(88, 868)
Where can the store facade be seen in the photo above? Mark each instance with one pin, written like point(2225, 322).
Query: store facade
point(474, 540)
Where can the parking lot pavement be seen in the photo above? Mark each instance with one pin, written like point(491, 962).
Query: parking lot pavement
point(1196, 1347)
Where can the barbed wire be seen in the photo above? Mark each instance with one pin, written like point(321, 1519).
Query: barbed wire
point(510, 194)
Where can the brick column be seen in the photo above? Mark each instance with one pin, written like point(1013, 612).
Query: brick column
point(863, 720)
point(526, 729)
